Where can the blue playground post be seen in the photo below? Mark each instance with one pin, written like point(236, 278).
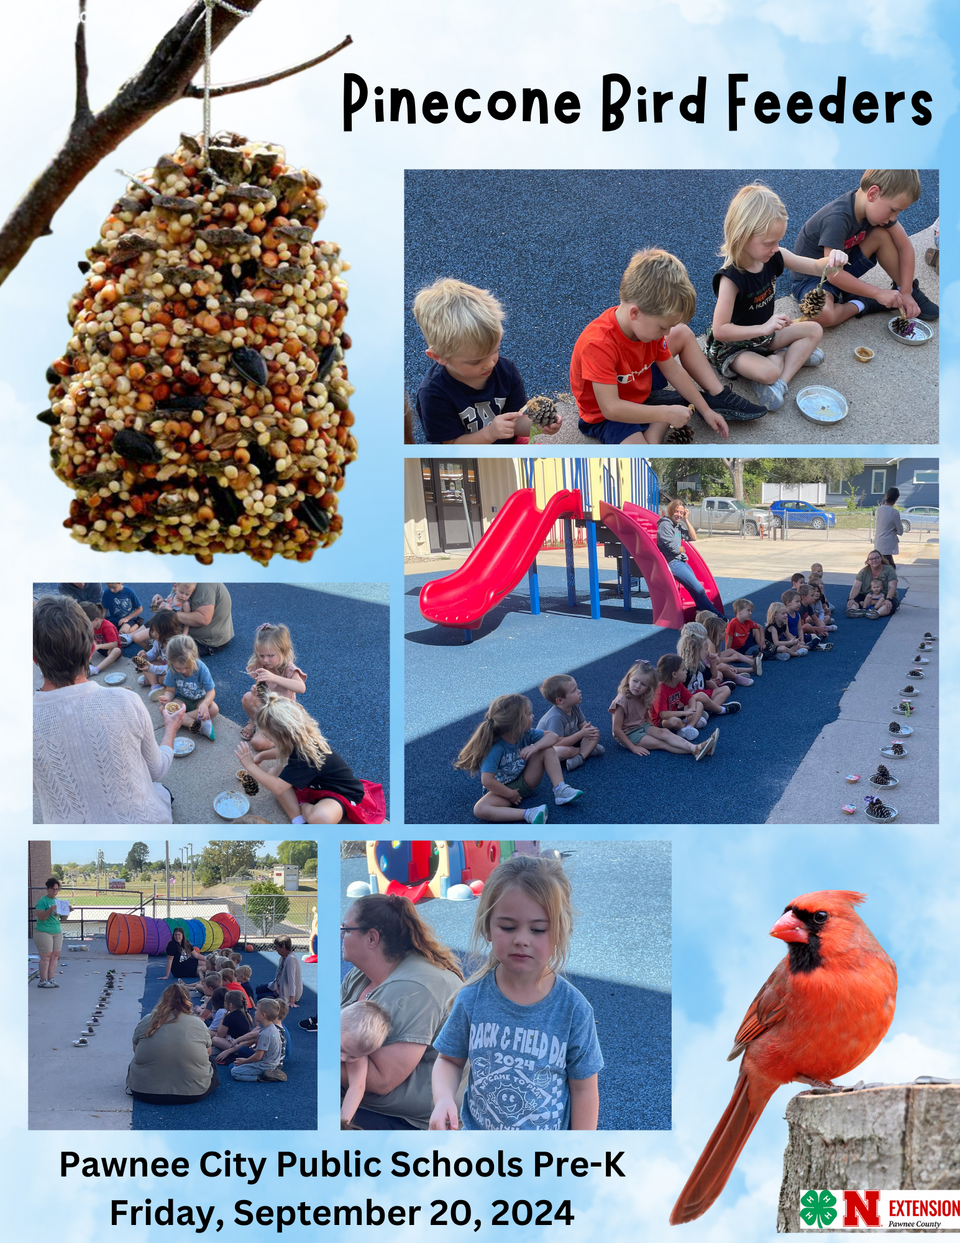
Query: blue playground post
point(626, 577)
point(594, 572)
point(533, 581)
point(571, 572)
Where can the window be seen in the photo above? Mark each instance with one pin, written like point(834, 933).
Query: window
point(879, 485)
point(835, 487)
point(926, 476)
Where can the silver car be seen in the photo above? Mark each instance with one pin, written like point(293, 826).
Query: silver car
point(921, 516)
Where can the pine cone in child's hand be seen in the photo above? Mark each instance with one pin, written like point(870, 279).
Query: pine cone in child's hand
point(541, 411)
point(141, 662)
point(903, 327)
point(811, 304)
point(681, 435)
point(262, 691)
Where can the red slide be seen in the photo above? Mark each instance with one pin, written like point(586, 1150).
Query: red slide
point(498, 562)
point(636, 529)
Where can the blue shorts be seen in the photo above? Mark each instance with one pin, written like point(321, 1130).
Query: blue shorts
point(609, 432)
point(857, 265)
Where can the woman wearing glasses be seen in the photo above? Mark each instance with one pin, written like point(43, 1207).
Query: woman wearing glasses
point(874, 567)
point(399, 964)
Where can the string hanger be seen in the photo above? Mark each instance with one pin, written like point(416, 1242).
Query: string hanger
point(207, 54)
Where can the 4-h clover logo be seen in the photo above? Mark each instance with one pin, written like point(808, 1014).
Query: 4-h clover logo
point(818, 1208)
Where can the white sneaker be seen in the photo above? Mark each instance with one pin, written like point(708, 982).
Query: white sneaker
point(816, 358)
point(758, 665)
point(155, 693)
point(802, 651)
point(689, 733)
point(565, 794)
point(536, 815)
point(831, 627)
point(142, 680)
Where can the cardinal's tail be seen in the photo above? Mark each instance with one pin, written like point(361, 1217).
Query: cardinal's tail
point(718, 1158)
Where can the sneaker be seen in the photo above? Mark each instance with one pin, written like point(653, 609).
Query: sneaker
point(771, 395)
point(783, 656)
point(206, 728)
point(565, 794)
point(44, 984)
point(309, 1025)
point(731, 682)
point(94, 670)
point(831, 627)
point(276, 1075)
point(870, 307)
point(689, 733)
point(758, 664)
point(855, 613)
point(124, 640)
point(825, 647)
point(731, 708)
point(536, 815)
point(816, 358)
point(872, 613)
point(142, 680)
point(743, 680)
point(702, 749)
point(802, 651)
point(155, 693)
point(712, 741)
point(928, 309)
point(599, 749)
point(574, 762)
point(733, 407)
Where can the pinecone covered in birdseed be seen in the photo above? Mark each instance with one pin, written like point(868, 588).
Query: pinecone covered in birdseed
point(679, 436)
point(811, 304)
point(250, 786)
point(541, 411)
point(202, 403)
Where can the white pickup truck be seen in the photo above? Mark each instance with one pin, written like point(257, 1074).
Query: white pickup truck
point(723, 513)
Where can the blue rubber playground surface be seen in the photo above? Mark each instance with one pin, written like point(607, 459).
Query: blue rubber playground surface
point(341, 639)
point(553, 244)
point(449, 684)
point(233, 1106)
point(620, 960)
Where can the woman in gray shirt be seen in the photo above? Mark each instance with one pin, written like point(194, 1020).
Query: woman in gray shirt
point(889, 527)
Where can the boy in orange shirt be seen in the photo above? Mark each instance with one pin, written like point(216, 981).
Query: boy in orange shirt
point(744, 635)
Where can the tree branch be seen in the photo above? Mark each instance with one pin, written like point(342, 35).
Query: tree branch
point(234, 88)
point(166, 77)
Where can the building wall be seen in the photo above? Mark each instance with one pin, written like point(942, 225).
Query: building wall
point(497, 478)
point(896, 474)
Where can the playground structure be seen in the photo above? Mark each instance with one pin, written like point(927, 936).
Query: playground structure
point(617, 500)
point(424, 870)
point(142, 934)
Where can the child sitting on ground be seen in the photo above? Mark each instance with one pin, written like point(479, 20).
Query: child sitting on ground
point(876, 595)
point(797, 581)
point(744, 636)
point(722, 664)
point(823, 608)
point(105, 639)
point(782, 642)
point(864, 223)
point(212, 994)
point(471, 394)
point(243, 979)
point(797, 627)
point(364, 1026)
point(578, 739)
point(674, 707)
point(177, 601)
point(266, 1061)
point(310, 781)
point(122, 607)
point(273, 668)
point(645, 341)
point(696, 675)
point(633, 726)
point(188, 679)
point(231, 984)
point(511, 758)
point(161, 628)
point(234, 1024)
point(747, 336)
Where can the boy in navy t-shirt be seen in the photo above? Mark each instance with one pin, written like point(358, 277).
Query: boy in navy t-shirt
point(470, 395)
point(122, 607)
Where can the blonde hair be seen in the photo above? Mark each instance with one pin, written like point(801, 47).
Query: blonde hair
point(753, 210)
point(269, 1007)
point(504, 716)
point(277, 637)
point(555, 687)
point(542, 880)
point(244, 973)
point(692, 644)
point(657, 283)
point(291, 729)
point(649, 672)
point(714, 626)
point(174, 1001)
point(212, 979)
point(774, 609)
point(892, 182)
point(182, 650)
point(459, 320)
point(742, 603)
point(367, 1022)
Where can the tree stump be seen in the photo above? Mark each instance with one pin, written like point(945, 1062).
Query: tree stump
point(886, 1136)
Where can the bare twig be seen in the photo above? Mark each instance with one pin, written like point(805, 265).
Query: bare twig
point(165, 78)
point(234, 88)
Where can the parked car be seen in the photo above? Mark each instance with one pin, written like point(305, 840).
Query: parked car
point(922, 516)
point(723, 513)
point(800, 514)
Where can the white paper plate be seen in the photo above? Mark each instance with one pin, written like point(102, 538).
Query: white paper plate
point(231, 805)
point(114, 679)
point(182, 747)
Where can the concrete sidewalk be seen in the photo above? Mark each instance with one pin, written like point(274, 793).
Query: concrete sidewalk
point(851, 743)
point(83, 1089)
point(893, 399)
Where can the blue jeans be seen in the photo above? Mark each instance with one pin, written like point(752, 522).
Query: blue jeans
point(682, 572)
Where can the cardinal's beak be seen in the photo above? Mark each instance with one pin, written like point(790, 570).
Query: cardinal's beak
point(789, 928)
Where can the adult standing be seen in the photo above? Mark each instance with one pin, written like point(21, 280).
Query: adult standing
point(287, 984)
point(48, 934)
point(95, 757)
point(171, 1054)
point(672, 529)
point(399, 964)
point(889, 527)
point(874, 567)
point(209, 615)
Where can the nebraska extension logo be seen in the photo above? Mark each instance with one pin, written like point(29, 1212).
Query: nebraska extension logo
point(883, 1210)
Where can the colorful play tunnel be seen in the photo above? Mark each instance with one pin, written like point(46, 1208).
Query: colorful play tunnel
point(424, 870)
point(141, 934)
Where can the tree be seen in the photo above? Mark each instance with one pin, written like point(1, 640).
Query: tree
point(137, 856)
point(813, 469)
point(225, 858)
point(295, 854)
point(164, 79)
point(267, 904)
point(309, 868)
point(57, 871)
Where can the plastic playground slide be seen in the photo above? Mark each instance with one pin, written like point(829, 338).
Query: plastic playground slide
point(499, 561)
point(636, 529)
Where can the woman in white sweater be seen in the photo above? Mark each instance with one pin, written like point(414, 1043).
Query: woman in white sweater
point(95, 757)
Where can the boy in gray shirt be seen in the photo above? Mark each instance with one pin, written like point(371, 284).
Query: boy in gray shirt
point(578, 738)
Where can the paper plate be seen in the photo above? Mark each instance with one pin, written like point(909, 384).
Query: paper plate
point(114, 679)
point(822, 405)
point(922, 333)
point(231, 805)
point(183, 746)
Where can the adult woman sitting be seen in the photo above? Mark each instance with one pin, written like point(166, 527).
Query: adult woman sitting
point(171, 1054)
point(48, 935)
point(95, 757)
point(400, 965)
point(874, 567)
point(672, 529)
point(889, 527)
point(183, 961)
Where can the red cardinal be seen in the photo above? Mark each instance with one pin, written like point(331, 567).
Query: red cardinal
point(824, 1010)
